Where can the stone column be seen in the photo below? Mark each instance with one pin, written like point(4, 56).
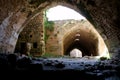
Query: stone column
point(28, 48)
point(43, 47)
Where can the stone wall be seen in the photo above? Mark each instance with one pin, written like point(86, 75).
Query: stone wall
point(32, 33)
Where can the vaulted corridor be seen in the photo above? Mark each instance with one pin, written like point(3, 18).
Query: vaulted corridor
point(25, 43)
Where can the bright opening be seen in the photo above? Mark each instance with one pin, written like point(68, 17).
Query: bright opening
point(75, 53)
point(62, 13)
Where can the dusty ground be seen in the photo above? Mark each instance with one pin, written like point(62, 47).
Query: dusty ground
point(86, 68)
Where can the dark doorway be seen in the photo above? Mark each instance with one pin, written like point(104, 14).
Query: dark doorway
point(22, 48)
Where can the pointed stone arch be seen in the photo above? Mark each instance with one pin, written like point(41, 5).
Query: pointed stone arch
point(104, 19)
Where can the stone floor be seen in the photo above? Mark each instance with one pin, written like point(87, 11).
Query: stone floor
point(86, 68)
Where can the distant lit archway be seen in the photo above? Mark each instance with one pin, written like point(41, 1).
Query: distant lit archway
point(86, 39)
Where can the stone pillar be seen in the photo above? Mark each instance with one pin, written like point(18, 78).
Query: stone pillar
point(42, 42)
point(43, 47)
point(28, 48)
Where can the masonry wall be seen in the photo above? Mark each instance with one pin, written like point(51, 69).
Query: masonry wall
point(33, 34)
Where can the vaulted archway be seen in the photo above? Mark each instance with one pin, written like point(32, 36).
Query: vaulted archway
point(16, 16)
point(85, 38)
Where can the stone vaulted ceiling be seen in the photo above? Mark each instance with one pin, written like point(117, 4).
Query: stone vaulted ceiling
point(15, 14)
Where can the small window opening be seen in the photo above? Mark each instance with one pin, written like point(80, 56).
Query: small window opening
point(35, 45)
point(30, 36)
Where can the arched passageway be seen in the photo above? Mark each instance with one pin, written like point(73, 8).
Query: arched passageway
point(86, 39)
point(75, 34)
point(87, 44)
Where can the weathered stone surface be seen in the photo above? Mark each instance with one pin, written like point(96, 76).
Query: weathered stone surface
point(33, 34)
point(91, 69)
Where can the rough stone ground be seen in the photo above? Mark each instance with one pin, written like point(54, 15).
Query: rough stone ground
point(86, 68)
